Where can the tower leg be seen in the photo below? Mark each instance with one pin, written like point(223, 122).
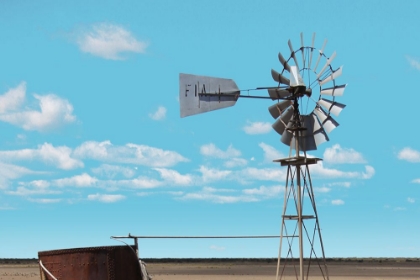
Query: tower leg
point(300, 218)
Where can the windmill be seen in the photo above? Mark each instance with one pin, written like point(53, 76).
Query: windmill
point(305, 100)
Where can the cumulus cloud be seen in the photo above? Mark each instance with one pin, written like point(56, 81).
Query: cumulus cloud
point(13, 98)
point(415, 63)
point(261, 174)
point(409, 155)
point(321, 171)
point(111, 171)
point(9, 172)
point(211, 195)
point(416, 181)
point(45, 200)
point(106, 198)
point(235, 162)
point(53, 111)
point(210, 174)
point(257, 127)
point(264, 192)
point(60, 156)
point(270, 153)
point(210, 150)
point(129, 153)
point(174, 177)
point(109, 41)
point(82, 180)
point(337, 202)
point(411, 200)
point(159, 114)
point(339, 155)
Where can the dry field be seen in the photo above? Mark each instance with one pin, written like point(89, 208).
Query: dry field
point(244, 269)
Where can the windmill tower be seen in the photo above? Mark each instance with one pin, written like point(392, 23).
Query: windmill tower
point(305, 101)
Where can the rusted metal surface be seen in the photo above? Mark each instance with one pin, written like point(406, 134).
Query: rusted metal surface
point(93, 263)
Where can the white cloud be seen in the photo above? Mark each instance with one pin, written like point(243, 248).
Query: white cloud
point(415, 63)
point(400, 209)
point(337, 202)
point(111, 171)
point(160, 114)
point(409, 154)
point(58, 156)
point(45, 200)
point(83, 180)
point(411, 200)
point(322, 189)
point(262, 174)
point(217, 248)
point(211, 150)
point(338, 155)
point(129, 153)
point(416, 181)
point(35, 190)
point(319, 170)
point(257, 127)
point(109, 41)
point(270, 153)
point(53, 110)
point(265, 192)
point(211, 196)
point(209, 174)
point(107, 198)
point(13, 98)
point(235, 162)
point(9, 172)
point(174, 177)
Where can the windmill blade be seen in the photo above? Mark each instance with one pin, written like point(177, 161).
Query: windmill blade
point(280, 124)
point(312, 51)
point(278, 93)
point(192, 94)
point(320, 135)
point(293, 53)
point(295, 77)
point(302, 49)
point(321, 52)
point(328, 63)
point(284, 62)
point(306, 139)
point(277, 109)
point(331, 106)
point(334, 91)
point(288, 139)
point(335, 74)
point(327, 122)
point(279, 77)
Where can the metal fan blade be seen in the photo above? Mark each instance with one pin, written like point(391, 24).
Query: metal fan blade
point(331, 106)
point(288, 139)
point(284, 62)
point(302, 50)
point(327, 122)
point(334, 91)
point(306, 138)
point(321, 52)
point(328, 63)
point(312, 50)
point(335, 74)
point(279, 77)
point(192, 94)
point(295, 77)
point(277, 109)
point(278, 93)
point(280, 124)
point(320, 135)
point(293, 53)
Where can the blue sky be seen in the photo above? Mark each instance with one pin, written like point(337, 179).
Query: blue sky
point(92, 143)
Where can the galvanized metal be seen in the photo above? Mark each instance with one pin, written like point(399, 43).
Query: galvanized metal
point(93, 263)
